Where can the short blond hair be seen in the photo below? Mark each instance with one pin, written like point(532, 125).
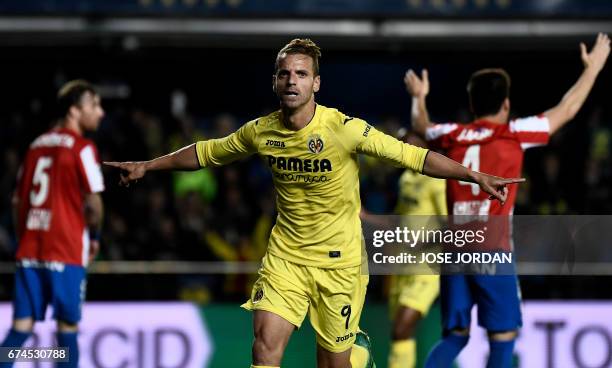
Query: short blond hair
point(303, 46)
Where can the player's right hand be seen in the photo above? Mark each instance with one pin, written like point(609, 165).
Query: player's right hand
point(417, 87)
point(596, 59)
point(130, 171)
point(495, 186)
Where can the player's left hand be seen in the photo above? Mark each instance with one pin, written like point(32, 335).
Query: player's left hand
point(495, 186)
point(94, 249)
point(598, 55)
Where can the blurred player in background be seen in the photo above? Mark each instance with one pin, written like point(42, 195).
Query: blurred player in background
point(58, 212)
point(411, 296)
point(492, 144)
point(315, 259)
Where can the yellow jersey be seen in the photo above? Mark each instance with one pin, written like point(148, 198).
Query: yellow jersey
point(421, 195)
point(315, 172)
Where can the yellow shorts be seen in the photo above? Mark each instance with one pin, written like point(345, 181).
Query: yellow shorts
point(417, 292)
point(332, 297)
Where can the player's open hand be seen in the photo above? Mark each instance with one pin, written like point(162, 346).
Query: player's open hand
point(417, 87)
point(495, 186)
point(596, 59)
point(130, 171)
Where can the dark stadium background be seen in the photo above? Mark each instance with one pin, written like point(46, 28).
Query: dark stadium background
point(225, 80)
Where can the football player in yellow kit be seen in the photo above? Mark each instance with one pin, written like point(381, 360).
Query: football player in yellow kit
point(315, 263)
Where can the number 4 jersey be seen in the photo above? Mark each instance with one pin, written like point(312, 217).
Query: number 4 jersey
point(495, 149)
point(59, 169)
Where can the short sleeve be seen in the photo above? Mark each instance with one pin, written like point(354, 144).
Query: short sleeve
point(532, 131)
point(439, 135)
point(90, 169)
point(217, 152)
point(370, 141)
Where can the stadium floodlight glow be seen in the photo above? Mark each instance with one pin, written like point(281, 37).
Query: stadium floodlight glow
point(490, 28)
point(338, 27)
point(343, 28)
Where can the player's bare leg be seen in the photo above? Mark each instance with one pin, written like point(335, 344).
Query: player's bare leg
point(23, 324)
point(501, 348)
point(67, 338)
point(503, 336)
point(327, 359)
point(403, 346)
point(272, 334)
point(461, 331)
point(67, 327)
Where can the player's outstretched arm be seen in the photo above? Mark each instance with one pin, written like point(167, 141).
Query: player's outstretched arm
point(418, 89)
point(440, 166)
point(184, 159)
point(573, 99)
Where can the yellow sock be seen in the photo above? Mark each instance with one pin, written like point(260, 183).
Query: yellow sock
point(402, 354)
point(262, 366)
point(359, 356)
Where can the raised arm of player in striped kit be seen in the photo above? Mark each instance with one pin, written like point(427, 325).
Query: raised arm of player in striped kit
point(557, 116)
point(574, 98)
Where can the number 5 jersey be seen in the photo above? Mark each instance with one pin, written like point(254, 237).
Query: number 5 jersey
point(59, 170)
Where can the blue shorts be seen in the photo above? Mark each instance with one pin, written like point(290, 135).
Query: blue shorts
point(497, 297)
point(62, 286)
